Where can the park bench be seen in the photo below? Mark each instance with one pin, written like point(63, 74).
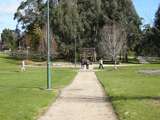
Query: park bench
point(109, 62)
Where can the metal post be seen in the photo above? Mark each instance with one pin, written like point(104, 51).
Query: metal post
point(75, 60)
point(48, 50)
point(28, 52)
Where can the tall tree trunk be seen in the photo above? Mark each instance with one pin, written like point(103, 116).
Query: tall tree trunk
point(115, 64)
point(126, 57)
point(120, 56)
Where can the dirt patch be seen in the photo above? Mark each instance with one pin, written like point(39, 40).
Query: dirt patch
point(155, 103)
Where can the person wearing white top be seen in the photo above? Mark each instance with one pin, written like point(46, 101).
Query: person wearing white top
point(23, 66)
point(101, 64)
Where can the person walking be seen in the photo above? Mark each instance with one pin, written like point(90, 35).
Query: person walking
point(82, 63)
point(23, 66)
point(101, 64)
point(87, 63)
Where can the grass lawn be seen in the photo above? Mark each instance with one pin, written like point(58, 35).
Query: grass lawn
point(135, 96)
point(22, 94)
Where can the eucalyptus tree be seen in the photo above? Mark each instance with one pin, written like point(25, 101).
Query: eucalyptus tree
point(157, 30)
point(150, 42)
point(90, 12)
point(77, 19)
point(31, 15)
point(67, 24)
point(157, 19)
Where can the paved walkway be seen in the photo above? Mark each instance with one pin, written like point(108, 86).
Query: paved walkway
point(84, 99)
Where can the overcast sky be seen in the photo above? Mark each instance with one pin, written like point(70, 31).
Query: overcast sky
point(145, 9)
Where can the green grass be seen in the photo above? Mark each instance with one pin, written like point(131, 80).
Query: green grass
point(22, 94)
point(135, 96)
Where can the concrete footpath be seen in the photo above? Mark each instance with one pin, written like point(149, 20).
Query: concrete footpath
point(84, 99)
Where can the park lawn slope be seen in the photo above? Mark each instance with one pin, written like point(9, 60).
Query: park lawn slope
point(22, 94)
point(134, 95)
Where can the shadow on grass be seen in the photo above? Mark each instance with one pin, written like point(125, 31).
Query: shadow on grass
point(132, 61)
point(155, 62)
point(118, 98)
point(91, 99)
point(21, 87)
point(28, 87)
point(98, 99)
point(10, 60)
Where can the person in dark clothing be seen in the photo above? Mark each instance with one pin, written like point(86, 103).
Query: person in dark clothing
point(82, 63)
point(87, 63)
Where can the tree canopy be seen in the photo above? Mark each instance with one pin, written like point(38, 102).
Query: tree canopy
point(78, 19)
point(9, 39)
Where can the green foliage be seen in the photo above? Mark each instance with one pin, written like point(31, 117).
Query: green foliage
point(31, 15)
point(157, 18)
point(9, 38)
point(30, 12)
point(146, 46)
point(157, 31)
point(66, 26)
point(81, 20)
point(35, 32)
point(150, 42)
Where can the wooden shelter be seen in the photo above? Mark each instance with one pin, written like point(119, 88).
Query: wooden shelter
point(88, 53)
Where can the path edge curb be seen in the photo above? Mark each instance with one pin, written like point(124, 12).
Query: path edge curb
point(106, 94)
point(59, 91)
